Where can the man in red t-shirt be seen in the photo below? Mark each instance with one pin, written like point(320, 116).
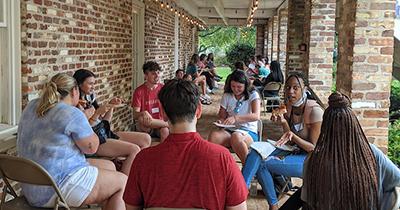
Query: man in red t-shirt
point(185, 171)
point(145, 103)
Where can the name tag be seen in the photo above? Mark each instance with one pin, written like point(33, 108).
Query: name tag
point(155, 110)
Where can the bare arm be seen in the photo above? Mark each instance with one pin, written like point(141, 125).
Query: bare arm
point(308, 146)
point(242, 206)
point(222, 114)
point(253, 116)
point(88, 145)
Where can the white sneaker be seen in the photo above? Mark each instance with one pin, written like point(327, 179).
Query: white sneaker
point(208, 90)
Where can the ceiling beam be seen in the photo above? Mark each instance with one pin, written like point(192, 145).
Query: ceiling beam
point(233, 21)
point(189, 6)
point(219, 7)
point(235, 13)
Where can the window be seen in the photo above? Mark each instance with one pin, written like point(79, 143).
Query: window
point(10, 65)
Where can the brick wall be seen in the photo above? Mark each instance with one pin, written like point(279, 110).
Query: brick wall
point(295, 36)
point(366, 33)
point(186, 42)
point(159, 38)
point(260, 38)
point(282, 45)
point(321, 44)
point(63, 36)
point(270, 37)
point(265, 50)
point(275, 36)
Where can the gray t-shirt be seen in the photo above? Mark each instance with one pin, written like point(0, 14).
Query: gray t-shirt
point(50, 142)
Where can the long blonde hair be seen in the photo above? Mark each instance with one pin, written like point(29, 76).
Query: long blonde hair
point(59, 86)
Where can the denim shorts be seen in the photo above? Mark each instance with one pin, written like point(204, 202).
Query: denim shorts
point(252, 134)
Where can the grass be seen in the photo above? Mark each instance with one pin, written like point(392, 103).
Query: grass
point(223, 72)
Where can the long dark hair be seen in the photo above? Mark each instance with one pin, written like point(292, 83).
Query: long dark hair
point(341, 171)
point(80, 76)
point(241, 77)
point(276, 72)
point(193, 60)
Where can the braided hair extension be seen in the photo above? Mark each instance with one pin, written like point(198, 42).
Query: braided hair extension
point(341, 172)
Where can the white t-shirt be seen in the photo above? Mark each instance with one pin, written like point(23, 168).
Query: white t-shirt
point(229, 102)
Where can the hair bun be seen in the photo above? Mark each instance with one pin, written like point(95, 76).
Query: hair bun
point(338, 100)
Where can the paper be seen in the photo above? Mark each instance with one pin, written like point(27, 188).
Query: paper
point(263, 148)
point(223, 125)
point(282, 147)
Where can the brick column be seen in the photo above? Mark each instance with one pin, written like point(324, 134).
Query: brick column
point(365, 62)
point(275, 36)
point(283, 24)
point(321, 43)
point(260, 37)
point(265, 50)
point(270, 35)
point(295, 36)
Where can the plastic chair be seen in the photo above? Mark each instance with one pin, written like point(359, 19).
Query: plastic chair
point(275, 87)
point(25, 171)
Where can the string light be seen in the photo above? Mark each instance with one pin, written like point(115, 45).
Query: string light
point(173, 8)
point(253, 9)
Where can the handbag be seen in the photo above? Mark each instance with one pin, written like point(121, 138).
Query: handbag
point(103, 131)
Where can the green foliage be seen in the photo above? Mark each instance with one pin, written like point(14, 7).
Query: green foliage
point(224, 72)
point(240, 52)
point(220, 61)
point(395, 96)
point(394, 142)
point(218, 39)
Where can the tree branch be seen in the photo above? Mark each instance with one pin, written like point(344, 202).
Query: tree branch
point(210, 33)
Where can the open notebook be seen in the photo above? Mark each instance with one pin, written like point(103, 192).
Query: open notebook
point(223, 125)
point(265, 148)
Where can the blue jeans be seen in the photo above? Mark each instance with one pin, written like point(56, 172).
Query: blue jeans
point(290, 165)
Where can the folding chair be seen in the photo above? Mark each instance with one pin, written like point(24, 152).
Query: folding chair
point(25, 171)
point(271, 86)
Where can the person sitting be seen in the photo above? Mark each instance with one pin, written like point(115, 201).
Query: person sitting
point(301, 125)
point(276, 75)
point(262, 71)
point(211, 66)
point(179, 74)
point(199, 79)
point(185, 171)
point(56, 135)
point(145, 103)
point(100, 117)
point(240, 106)
point(187, 77)
point(345, 171)
point(210, 79)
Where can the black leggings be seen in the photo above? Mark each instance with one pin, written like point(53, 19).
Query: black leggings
point(209, 79)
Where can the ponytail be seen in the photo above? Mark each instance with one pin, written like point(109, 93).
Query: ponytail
point(59, 86)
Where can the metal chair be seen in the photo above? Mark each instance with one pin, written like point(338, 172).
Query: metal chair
point(25, 171)
point(271, 86)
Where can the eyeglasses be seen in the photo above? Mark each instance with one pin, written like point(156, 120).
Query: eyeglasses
point(237, 107)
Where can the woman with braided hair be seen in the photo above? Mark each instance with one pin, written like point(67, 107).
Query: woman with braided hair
point(301, 125)
point(345, 171)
